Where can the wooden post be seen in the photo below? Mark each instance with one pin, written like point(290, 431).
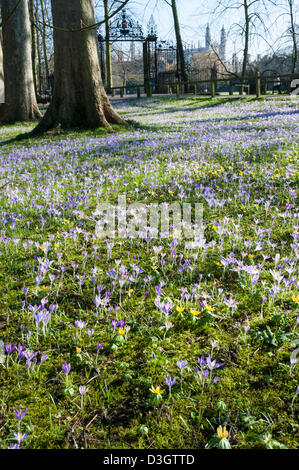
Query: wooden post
point(213, 88)
point(258, 85)
point(150, 90)
point(121, 92)
point(138, 92)
point(146, 70)
point(112, 92)
point(231, 88)
point(241, 87)
point(147, 89)
point(177, 88)
point(265, 86)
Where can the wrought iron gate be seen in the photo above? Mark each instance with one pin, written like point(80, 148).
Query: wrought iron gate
point(124, 29)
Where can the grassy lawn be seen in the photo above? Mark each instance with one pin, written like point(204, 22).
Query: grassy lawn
point(121, 316)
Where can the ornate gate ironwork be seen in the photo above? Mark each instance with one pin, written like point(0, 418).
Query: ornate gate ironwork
point(167, 66)
point(125, 29)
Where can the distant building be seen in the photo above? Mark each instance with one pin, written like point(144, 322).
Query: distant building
point(222, 48)
point(132, 51)
point(236, 64)
point(202, 60)
point(208, 37)
point(152, 29)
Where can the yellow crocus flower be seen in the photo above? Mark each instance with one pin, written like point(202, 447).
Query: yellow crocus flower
point(194, 312)
point(156, 390)
point(209, 308)
point(222, 432)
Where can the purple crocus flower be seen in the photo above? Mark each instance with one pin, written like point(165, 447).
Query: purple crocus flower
point(53, 307)
point(80, 324)
point(20, 436)
point(12, 445)
point(83, 390)
point(166, 307)
point(90, 332)
point(33, 308)
point(169, 381)
point(212, 364)
point(21, 350)
point(30, 357)
point(159, 290)
point(38, 317)
point(46, 317)
point(181, 364)
point(43, 358)
point(66, 367)
point(202, 361)
point(168, 325)
point(19, 414)
point(10, 348)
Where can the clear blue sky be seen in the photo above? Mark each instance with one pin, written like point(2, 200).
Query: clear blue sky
point(195, 14)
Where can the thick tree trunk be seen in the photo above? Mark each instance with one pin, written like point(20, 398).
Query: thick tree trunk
point(79, 98)
point(1, 72)
point(20, 98)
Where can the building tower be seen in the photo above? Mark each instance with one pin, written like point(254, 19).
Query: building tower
point(208, 37)
point(222, 48)
point(235, 63)
point(152, 29)
point(132, 51)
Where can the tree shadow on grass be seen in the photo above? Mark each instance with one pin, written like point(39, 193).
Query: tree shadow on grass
point(203, 103)
point(60, 133)
point(172, 126)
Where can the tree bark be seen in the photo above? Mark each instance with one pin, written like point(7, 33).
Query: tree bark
point(39, 54)
point(181, 53)
point(20, 98)
point(79, 98)
point(246, 44)
point(1, 71)
point(294, 36)
point(44, 33)
point(33, 40)
point(108, 48)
